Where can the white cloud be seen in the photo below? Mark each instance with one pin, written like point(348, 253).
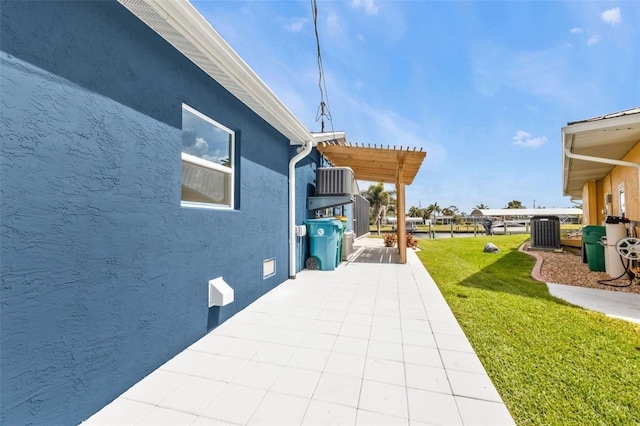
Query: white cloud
point(594, 40)
point(333, 22)
point(296, 25)
point(576, 30)
point(361, 37)
point(526, 140)
point(369, 6)
point(612, 16)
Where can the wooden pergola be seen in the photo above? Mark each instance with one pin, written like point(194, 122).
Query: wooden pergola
point(379, 164)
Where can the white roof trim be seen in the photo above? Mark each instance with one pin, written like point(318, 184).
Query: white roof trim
point(591, 148)
point(178, 22)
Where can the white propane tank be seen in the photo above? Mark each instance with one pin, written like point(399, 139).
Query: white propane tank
point(613, 265)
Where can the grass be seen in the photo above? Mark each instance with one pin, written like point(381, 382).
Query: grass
point(552, 363)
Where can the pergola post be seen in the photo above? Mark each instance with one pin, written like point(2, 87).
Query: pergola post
point(400, 211)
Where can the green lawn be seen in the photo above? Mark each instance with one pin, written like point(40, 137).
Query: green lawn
point(552, 363)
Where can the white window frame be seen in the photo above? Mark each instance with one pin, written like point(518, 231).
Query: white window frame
point(211, 165)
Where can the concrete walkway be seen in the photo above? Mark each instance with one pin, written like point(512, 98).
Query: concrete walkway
point(617, 304)
point(366, 344)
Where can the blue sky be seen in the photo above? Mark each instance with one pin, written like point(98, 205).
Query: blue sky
point(484, 87)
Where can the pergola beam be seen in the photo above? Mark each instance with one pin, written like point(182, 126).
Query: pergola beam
point(387, 165)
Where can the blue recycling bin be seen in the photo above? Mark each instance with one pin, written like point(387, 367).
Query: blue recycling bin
point(324, 235)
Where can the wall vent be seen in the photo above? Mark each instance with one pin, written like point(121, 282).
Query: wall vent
point(334, 181)
point(545, 232)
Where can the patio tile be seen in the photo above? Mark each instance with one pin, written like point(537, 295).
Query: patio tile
point(279, 409)
point(420, 325)
point(243, 348)
point(423, 377)
point(120, 412)
point(326, 326)
point(472, 385)
point(328, 414)
point(155, 387)
point(385, 371)
point(287, 337)
point(212, 343)
point(165, 416)
point(221, 368)
point(316, 340)
point(422, 355)
point(365, 344)
point(358, 318)
point(386, 334)
point(433, 408)
point(383, 398)
point(446, 327)
point(257, 374)
point(355, 330)
point(274, 353)
point(300, 324)
point(477, 412)
point(386, 321)
point(345, 364)
point(463, 361)
point(351, 345)
point(385, 350)
point(454, 343)
point(338, 389)
point(297, 382)
point(311, 359)
point(207, 421)
point(369, 418)
point(188, 362)
point(418, 338)
point(418, 314)
point(193, 395)
point(234, 403)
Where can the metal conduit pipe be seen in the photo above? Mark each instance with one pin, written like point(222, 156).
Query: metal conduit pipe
point(303, 151)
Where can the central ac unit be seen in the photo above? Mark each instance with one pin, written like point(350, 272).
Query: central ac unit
point(334, 181)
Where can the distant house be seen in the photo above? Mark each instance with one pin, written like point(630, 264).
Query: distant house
point(601, 165)
point(141, 158)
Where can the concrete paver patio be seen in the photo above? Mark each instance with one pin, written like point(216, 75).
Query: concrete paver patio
point(366, 344)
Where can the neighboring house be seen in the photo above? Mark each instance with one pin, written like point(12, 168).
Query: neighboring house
point(601, 165)
point(139, 161)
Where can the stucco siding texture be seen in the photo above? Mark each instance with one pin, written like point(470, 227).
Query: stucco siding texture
point(104, 274)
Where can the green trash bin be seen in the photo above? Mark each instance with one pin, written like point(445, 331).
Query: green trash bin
point(595, 251)
point(323, 241)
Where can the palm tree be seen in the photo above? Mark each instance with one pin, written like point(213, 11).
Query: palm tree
point(433, 209)
point(481, 207)
point(378, 201)
point(515, 204)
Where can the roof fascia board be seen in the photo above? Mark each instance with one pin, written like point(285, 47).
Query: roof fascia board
point(247, 86)
point(603, 124)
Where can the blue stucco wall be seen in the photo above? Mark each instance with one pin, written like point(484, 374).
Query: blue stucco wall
point(104, 275)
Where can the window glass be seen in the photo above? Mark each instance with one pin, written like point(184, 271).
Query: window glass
point(207, 161)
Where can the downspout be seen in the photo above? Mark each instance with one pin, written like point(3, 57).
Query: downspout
point(303, 151)
point(568, 153)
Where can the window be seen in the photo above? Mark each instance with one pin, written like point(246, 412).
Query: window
point(207, 161)
point(623, 203)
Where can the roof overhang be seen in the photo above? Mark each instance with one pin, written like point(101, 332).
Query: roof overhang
point(609, 137)
point(180, 24)
point(375, 164)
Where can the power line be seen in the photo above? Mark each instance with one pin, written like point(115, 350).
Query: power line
point(323, 109)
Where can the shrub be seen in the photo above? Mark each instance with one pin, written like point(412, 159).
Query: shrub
point(390, 240)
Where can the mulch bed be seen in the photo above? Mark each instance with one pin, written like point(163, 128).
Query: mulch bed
point(566, 267)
